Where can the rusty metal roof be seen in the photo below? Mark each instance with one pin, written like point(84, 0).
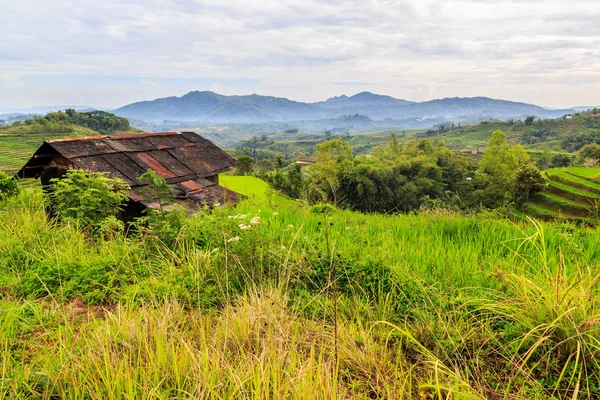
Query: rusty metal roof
point(183, 158)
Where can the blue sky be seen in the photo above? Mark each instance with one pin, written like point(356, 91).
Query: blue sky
point(110, 53)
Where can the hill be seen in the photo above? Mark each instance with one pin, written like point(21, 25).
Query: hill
point(573, 194)
point(568, 133)
point(300, 303)
point(19, 141)
point(212, 107)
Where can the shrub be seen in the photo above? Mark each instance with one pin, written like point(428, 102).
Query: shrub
point(96, 282)
point(87, 197)
point(8, 187)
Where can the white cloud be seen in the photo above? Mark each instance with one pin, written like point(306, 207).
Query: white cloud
point(541, 51)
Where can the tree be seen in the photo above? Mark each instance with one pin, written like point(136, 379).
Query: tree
point(157, 190)
point(590, 152)
point(263, 167)
point(520, 155)
point(496, 171)
point(530, 120)
point(498, 160)
point(561, 160)
point(245, 165)
point(545, 160)
point(334, 162)
point(529, 180)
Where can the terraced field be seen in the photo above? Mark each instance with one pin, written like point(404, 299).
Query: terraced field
point(17, 145)
point(573, 194)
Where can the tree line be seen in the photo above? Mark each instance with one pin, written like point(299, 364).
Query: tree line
point(62, 121)
point(404, 176)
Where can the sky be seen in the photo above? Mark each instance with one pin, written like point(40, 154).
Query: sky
point(113, 52)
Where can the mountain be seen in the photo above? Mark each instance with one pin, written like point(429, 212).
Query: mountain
point(212, 107)
point(584, 108)
point(360, 100)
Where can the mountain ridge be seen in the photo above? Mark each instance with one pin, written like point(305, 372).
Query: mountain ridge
point(208, 106)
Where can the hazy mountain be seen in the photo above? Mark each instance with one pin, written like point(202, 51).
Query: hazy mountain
point(361, 99)
point(584, 108)
point(213, 107)
point(45, 109)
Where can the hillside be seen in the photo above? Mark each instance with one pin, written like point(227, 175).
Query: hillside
point(573, 194)
point(212, 107)
point(562, 134)
point(301, 303)
point(19, 141)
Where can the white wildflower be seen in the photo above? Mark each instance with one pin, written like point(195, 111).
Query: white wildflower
point(234, 239)
point(230, 217)
point(255, 221)
point(275, 214)
point(244, 227)
point(216, 204)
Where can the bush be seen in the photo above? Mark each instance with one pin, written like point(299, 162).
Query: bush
point(87, 197)
point(97, 282)
point(8, 187)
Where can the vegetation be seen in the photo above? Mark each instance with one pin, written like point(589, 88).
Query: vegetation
point(8, 187)
point(573, 194)
point(274, 299)
point(403, 176)
point(87, 198)
point(62, 121)
point(20, 140)
point(567, 134)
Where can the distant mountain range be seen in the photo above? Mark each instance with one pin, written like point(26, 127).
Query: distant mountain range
point(43, 109)
point(212, 107)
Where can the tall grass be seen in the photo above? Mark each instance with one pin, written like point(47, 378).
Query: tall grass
point(478, 307)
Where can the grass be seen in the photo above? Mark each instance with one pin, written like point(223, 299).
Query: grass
point(426, 306)
point(556, 135)
point(248, 186)
point(571, 195)
point(17, 144)
point(586, 172)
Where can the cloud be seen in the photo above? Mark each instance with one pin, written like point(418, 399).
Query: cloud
point(539, 51)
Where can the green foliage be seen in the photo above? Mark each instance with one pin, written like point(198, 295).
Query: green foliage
point(561, 160)
point(87, 197)
point(424, 306)
point(590, 152)
point(157, 191)
point(334, 162)
point(400, 176)
point(529, 180)
point(63, 121)
point(506, 175)
point(164, 217)
point(245, 165)
point(97, 282)
point(323, 208)
point(8, 187)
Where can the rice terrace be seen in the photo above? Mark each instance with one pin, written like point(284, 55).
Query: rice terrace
point(300, 200)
